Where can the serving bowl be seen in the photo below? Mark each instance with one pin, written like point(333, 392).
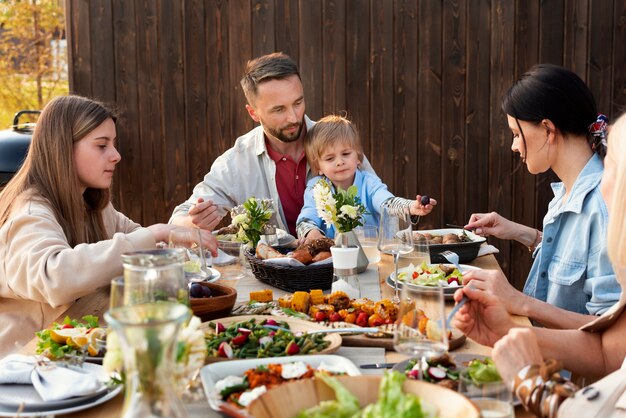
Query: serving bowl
point(218, 305)
point(287, 400)
point(467, 251)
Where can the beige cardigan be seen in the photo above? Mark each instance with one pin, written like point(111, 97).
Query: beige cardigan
point(41, 274)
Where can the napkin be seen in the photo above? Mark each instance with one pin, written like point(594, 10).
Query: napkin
point(487, 249)
point(222, 258)
point(288, 261)
point(52, 381)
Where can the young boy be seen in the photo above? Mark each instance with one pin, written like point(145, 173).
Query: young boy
point(333, 150)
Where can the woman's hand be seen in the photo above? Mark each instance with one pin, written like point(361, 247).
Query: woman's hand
point(496, 283)
point(486, 224)
point(517, 349)
point(311, 236)
point(483, 318)
point(162, 233)
point(417, 209)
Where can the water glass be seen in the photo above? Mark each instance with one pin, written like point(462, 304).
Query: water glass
point(421, 329)
point(197, 259)
point(419, 255)
point(494, 399)
point(368, 238)
point(396, 237)
point(229, 260)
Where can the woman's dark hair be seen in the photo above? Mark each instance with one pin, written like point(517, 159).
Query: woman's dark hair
point(551, 92)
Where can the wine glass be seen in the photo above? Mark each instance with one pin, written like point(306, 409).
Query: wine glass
point(421, 328)
point(419, 255)
point(395, 237)
point(197, 258)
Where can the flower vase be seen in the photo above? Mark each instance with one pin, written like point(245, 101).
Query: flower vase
point(350, 239)
point(148, 333)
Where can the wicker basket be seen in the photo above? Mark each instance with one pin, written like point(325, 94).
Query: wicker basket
point(290, 278)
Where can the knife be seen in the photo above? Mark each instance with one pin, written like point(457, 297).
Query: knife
point(378, 366)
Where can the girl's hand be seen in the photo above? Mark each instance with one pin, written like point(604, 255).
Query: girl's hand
point(483, 318)
point(486, 224)
point(417, 209)
point(517, 349)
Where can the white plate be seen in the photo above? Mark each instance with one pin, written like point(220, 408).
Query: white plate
point(12, 396)
point(448, 291)
point(215, 275)
point(214, 372)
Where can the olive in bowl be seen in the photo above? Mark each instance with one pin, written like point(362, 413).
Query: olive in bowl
point(218, 304)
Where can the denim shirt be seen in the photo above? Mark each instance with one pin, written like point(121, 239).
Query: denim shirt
point(371, 190)
point(572, 268)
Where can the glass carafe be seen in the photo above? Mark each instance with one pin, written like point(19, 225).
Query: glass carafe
point(148, 333)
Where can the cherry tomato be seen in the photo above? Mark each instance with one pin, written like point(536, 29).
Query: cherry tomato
point(361, 319)
point(65, 326)
point(375, 320)
point(335, 317)
point(320, 316)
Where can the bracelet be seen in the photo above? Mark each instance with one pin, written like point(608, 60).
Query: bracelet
point(541, 389)
point(538, 238)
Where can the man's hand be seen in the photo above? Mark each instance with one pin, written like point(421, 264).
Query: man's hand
point(204, 215)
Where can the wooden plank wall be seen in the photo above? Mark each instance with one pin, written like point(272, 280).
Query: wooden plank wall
point(422, 79)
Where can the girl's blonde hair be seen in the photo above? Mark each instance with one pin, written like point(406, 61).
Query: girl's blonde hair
point(49, 175)
point(616, 242)
point(330, 130)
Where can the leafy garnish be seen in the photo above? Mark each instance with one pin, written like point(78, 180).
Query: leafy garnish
point(54, 350)
point(483, 371)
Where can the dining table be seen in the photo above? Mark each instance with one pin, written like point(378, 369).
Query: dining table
point(98, 302)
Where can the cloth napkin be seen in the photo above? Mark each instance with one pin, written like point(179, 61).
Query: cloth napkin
point(288, 261)
point(487, 249)
point(51, 381)
point(223, 259)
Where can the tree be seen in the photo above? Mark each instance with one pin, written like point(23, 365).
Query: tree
point(33, 59)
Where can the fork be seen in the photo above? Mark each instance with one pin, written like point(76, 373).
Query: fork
point(453, 258)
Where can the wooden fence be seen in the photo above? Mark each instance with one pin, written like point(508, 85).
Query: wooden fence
point(422, 79)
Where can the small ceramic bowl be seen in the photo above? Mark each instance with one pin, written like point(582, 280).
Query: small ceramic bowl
point(217, 306)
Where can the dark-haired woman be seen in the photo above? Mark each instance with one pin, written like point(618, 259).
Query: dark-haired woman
point(555, 125)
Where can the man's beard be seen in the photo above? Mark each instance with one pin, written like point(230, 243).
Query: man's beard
point(285, 137)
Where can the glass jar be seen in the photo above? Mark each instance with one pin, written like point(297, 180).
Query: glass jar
point(156, 275)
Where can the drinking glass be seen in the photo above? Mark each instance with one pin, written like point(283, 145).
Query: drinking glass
point(494, 399)
point(197, 258)
point(395, 237)
point(421, 329)
point(368, 238)
point(229, 260)
point(419, 255)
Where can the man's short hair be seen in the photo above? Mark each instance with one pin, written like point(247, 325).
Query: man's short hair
point(274, 66)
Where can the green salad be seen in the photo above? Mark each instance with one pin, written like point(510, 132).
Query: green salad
point(483, 371)
point(431, 275)
point(392, 402)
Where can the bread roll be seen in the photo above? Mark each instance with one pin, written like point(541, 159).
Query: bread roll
point(303, 256)
point(322, 255)
point(265, 252)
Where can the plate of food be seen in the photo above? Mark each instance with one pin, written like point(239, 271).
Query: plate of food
point(73, 339)
point(463, 242)
point(239, 382)
point(429, 275)
point(258, 336)
point(375, 396)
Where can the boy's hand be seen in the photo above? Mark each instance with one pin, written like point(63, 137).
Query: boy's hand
point(417, 209)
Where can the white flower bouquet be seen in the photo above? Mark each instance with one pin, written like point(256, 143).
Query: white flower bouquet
point(342, 209)
point(251, 219)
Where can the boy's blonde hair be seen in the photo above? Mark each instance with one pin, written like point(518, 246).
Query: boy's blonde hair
point(616, 242)
point(330, 130)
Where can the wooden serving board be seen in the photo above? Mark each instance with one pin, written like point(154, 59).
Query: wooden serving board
point(362, 340)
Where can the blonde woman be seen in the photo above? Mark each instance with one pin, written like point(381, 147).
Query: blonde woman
point(60, 237)
point(592, 351)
